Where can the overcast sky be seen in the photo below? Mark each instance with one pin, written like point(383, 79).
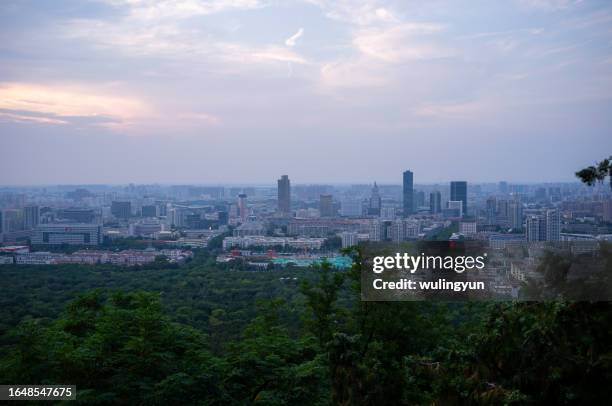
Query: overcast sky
point(143, 91)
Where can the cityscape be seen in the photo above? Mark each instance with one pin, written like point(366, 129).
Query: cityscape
point(310, 202)
point(298, 225)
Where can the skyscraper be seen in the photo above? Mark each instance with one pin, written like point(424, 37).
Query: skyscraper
point(553, 225)
point(545, 227)
point(31, 215)
point(284, 195)
point(435, 202)
point(12, 220)
point(242, 207)
point(515, 215)
point(375, 202)
point(458, 192)
point(408, 193)
point(326, 206)
point(491, 211)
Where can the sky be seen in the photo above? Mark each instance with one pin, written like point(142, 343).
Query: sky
point(243, 91)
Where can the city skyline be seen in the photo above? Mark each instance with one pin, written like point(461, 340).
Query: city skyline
point(114, 91)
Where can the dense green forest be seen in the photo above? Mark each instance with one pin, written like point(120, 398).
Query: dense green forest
point(205, 333)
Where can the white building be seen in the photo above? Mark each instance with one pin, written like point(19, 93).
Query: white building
point(467, 228)
point(349, 239)
point(267, 242)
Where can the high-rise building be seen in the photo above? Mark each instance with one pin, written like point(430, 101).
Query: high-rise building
point(515, 215)
point(376, 230)
point(435, 202)
point(12, 220)
point(553, 225)
point(503, 187)
point(284, 195)
point(242, 207)
point(31, 217)
point(326, 206)
point(458, 192)
point(544, 227)
point(408, 193)
point(491, 211)
point(121, 210)
point(375, 202)
point(419, 199)
point(535, 229)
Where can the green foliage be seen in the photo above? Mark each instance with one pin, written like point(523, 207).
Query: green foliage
point(119, 350)
point(596, 173)
point(209, 334)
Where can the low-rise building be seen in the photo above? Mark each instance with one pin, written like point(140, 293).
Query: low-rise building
point(70, 234)
point(265, 242)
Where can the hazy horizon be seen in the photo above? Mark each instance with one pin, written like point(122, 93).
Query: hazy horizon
point(242, 91)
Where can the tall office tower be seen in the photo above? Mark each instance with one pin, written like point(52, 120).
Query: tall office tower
point(553, 225)
point(408, 193)
point(458, 192)
point(491, 211)
point(419, 199)
point(502, 209)
point(12, 220)
point(545, 227)
point(31, 216)
point(515, 215)
point(435, 202)
point(535, 229)
point(376, 230)
point(242, 207)
point(122, 210)
point(284, 195)
point(175, 216)
point(503, 187)
point(375, 202)
point(326, 206)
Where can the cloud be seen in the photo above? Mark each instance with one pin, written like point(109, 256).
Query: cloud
point(549, 4)
point(290, 42)
point(65, 101)
point(81, 105)
point(356, 12)
point(173, 42)
point(401, 42)
point(152, 10)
